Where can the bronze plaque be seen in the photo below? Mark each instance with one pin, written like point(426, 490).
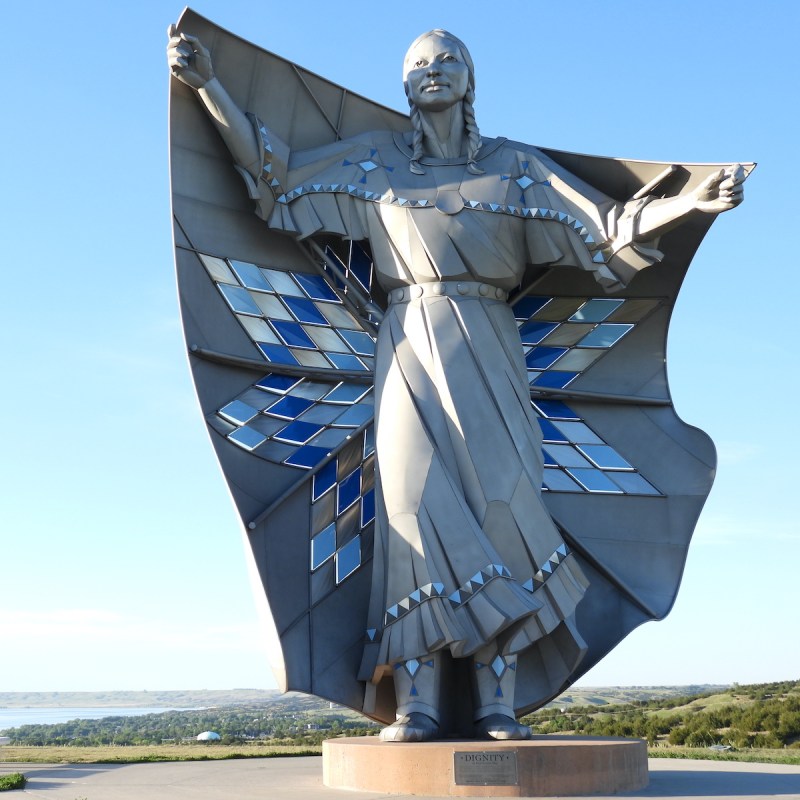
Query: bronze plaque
point(485, 768)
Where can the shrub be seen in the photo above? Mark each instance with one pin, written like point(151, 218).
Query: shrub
point(14, 780)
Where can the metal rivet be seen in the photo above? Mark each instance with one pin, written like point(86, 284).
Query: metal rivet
point(484, 289)
point(438, 288)
point(499, 294)
point(416, 291)
point(462, 288)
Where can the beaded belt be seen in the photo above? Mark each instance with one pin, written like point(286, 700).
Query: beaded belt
point(447, 289)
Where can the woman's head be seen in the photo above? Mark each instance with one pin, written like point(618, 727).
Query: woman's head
point(438, 72)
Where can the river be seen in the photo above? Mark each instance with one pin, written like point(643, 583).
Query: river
point(14, 717)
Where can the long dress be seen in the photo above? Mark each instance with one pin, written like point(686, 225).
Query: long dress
point(465, 551)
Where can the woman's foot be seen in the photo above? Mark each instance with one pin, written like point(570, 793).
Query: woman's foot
point(499, 726)
point(413, 727)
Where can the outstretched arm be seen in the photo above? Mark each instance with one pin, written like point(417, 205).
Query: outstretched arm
point(719, 192)
point(190, 62)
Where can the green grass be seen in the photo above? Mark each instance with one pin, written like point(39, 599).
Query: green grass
point(137, 754)
point(753, 755)
point(14, 780)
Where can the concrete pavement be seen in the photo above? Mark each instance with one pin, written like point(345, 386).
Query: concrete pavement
point(300, 778)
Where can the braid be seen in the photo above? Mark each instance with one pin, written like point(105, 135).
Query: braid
point(416, 122)
point(473, 134)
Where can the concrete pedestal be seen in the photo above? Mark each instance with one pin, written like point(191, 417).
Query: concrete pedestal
point(545, 766)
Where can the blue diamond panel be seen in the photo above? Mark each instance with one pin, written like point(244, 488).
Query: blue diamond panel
point(309, 419)
point(563, 337)
point(350, 476)
point(576, 459)
point(295, 318)
point(323, 546)
point(348, 559)
point(349, 491)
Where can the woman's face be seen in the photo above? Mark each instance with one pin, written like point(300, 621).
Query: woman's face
point(435, 74)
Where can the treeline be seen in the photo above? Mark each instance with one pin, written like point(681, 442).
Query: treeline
point(765, 715)
point(234, 724)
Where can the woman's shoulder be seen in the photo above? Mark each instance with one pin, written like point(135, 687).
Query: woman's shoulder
point(353, 148)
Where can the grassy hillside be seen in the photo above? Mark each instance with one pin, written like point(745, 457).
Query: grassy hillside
point(760, 716)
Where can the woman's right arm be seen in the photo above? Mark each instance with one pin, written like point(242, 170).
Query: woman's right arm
point(190, 62)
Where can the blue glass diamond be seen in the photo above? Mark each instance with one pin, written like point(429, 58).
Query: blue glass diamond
point(239, 299)
point(594, 480)
point(277, 383)
point(298, 432)
point(596, 310)
point(305, 310)
point(528, 306)
point(307, 456)
point(250, 276)
point(355, 416)
point(552, 379)
point(238, 412)
point(362, 343)
point(293, 334)
point(346, 393)
point(323, 546)
point(289, 407)
point(348, 559)
point(324, 479)
point(606, 335)
point(554, 409)
point(347, 362)
point(247, 438)
point(368, 508)
point(315, 286)
point(277, 353)
point(550, 433)
point(604, 456)
point(544, 357)
point(532, 332)
point(349, 491)
point(633, 483)
point(360, 265)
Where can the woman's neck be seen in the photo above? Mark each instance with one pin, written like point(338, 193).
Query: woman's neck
point(443, 134)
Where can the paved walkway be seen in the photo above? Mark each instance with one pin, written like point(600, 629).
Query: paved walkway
point(301, 779)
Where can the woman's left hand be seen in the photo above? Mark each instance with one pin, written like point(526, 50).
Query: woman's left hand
point(721, 191)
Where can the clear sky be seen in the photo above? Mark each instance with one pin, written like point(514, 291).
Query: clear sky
point(121, 563)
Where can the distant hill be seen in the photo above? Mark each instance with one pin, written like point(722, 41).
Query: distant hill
point(186, 698)
point(617, 695)
point(205, 698)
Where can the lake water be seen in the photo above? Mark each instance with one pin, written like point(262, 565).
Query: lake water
point(14, 717)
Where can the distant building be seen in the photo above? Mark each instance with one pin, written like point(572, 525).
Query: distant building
point(208, 736)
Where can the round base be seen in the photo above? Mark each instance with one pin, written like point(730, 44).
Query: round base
point(544, 766)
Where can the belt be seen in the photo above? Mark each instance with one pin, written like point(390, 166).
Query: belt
point(447, 289)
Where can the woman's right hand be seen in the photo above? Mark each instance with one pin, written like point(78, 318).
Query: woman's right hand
point(189, 61)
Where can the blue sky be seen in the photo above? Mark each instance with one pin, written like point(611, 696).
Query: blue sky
point(121, 564)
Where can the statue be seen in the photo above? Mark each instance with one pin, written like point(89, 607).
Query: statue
point(471, 575)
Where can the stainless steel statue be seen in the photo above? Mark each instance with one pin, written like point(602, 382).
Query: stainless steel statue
point(472, 581)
